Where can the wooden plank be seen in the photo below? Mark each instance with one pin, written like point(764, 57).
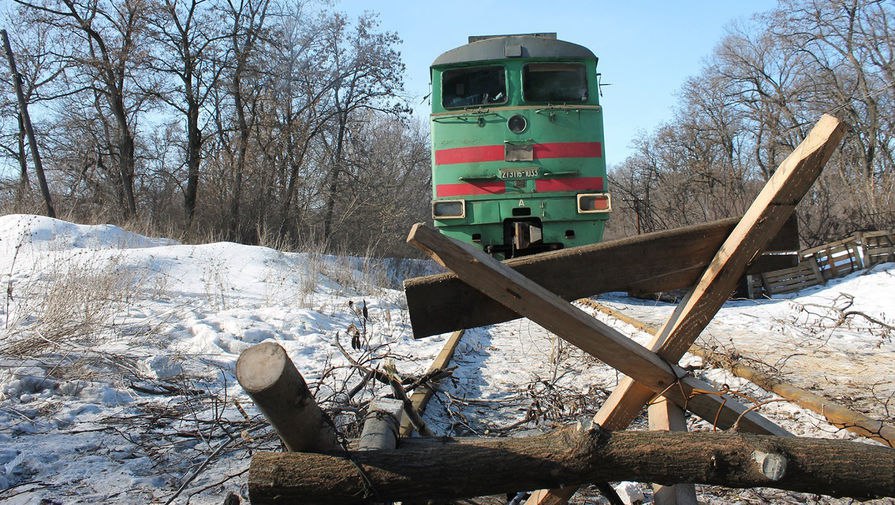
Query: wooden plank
point(421, 396)
point(652, 262)
point(659, 261)
point(770, 209)
point(666, 416)
point(592, 336)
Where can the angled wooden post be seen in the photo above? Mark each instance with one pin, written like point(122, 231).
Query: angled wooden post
point(771, 208)
point(421, 396)
point(666, 416)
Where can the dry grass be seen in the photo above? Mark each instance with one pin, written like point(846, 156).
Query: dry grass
point(66, 301)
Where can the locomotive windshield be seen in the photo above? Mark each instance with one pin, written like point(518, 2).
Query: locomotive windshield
point(554, 82)
point(466, 87)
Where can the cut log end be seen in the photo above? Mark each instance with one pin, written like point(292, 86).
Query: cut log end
point(260, 367)
point(771, 465)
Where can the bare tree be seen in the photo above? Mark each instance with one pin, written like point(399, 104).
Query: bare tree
point(26, 129)
point(245, 34)
point(766, 82)
point(367, 71)
point(187, 33)
point(105, 40)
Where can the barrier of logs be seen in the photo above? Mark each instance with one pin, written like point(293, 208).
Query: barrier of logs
point(599, 451)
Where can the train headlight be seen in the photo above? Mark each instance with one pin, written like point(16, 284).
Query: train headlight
point(517, 123)
point(449, 209)
point(594, 203)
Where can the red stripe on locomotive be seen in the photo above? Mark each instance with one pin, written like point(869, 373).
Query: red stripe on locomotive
point(480, 154)
point(466, 189)
point(569, 184)
point(568, 150)
point(469, 155)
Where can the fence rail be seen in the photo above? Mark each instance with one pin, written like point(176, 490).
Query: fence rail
point(817, 265)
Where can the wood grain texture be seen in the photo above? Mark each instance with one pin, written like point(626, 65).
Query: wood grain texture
point(659, 261)
point(769, 211)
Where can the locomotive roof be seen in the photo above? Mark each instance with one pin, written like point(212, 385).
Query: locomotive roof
point(510, 46)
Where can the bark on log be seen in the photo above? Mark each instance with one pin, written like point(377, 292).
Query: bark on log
point(381, 425)
point(666, 416)
point(270, 378)
point(456, 468)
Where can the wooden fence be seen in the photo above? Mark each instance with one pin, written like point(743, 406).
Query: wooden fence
point(819, 264)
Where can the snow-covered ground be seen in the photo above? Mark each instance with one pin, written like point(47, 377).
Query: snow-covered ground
point(117, 359)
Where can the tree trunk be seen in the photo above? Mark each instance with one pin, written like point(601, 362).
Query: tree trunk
point(335, 172)
point(125, 151)
point(456, 468)
point(24, 182)
point(194, 152)
point(241, 148)
point(29, 129)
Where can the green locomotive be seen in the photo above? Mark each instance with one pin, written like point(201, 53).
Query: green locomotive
point(517, 145)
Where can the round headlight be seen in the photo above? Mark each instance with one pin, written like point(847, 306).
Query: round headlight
point(517, 124)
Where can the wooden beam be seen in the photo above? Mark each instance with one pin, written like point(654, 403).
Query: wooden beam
point(577, 327)
point(422, 394)
point(662, 260)
point(770, 209)
point(666, 416)
point(460, 468)
point(659, 261)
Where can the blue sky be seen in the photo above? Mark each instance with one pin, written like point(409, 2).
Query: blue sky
point(647, 49)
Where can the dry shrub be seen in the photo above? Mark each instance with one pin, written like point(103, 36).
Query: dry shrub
point(68, 302)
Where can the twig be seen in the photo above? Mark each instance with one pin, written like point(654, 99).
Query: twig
point(199, 470)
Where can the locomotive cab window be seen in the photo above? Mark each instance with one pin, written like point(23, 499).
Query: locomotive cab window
point(554, 82)
point(469, 87)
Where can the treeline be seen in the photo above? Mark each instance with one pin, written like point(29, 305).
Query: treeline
point(258, 121)
point(758, 94)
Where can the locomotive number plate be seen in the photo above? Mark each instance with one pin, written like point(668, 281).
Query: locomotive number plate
point(517, 173)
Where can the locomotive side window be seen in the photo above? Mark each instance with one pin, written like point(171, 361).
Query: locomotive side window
point(554, 82)
point(466, 87)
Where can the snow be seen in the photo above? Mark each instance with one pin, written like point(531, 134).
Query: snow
point(117, 358)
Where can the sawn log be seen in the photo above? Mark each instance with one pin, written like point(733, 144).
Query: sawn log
point(457, 468)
